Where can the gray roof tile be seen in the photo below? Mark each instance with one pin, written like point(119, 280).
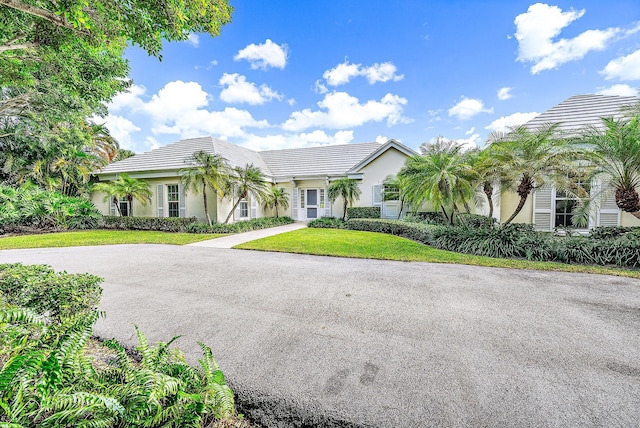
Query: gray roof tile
point(580, 111)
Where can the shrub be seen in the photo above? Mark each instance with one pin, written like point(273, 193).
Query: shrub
point(476, 220)
point(608, 232)
point(40, 288)
point(328, 223)
point(363, 212)
point(240, 226)
point(431, 217)
point(29, 207)
point(415, 231)
point(162, 224)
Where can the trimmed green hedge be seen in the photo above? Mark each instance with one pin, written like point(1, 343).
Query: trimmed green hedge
point(240, 226)
point(363, 212)
point(162, 224)
point(603, 232)
point(328, 223)
point(416, 231)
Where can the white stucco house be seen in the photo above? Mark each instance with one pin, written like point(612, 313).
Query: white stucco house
point(305, 173)
point(547, 208)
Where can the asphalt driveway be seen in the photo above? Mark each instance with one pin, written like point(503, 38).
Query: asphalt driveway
point(316, 341)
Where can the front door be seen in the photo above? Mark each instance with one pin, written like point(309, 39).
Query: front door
point(311, 203)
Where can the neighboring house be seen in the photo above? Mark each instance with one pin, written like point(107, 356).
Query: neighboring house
point(305, 173)
point(548, 208)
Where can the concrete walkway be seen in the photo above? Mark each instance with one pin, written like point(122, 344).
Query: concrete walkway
point(240, 238)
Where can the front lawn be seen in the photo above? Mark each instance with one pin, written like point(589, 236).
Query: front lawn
point(101, 237)
point(369, 245)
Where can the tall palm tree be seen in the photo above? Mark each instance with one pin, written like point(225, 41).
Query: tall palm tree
point(531, 158)
point(276, 197)
point(614, 150)
point(441, 175)
point(125, 187)
point(485, 173)
point(345, 188)
point(245, 181)
point(206, 170)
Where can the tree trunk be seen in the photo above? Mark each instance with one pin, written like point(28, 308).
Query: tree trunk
point(523, 199)
point(117, 204)
point(488, 191)
point(244, 195)
point(344, 211)
point(41, 13)
point(130, 206)
point(276, 207)
point(204, 200)
point(444, 212)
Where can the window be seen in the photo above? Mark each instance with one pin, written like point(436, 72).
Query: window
point(321, 198)
point(565, 203)
point(302, 193)
point(244, 209)
point(390, 192)
point(123, 204)
point(173, 200)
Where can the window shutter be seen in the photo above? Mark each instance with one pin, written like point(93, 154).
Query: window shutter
point(182, 201)
point(160, 199)
point(294, 203)
point(327, 203)
point(609, 213)
point(377, 195)
point(542, 207)
point(254, 207)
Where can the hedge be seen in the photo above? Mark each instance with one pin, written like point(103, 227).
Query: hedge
point(163, 224)
point(363, 212)
point(240, 226)
point(423, 233)
point(328, 223)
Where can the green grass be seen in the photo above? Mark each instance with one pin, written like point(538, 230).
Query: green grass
point(101, 237)
point(369, 245)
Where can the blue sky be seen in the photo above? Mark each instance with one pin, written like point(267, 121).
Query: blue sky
point(294, 74)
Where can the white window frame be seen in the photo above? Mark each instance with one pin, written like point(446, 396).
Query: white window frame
point(243, 209)
point(176, 201)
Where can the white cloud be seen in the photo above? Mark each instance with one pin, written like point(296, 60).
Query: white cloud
point(619, 89)
point(537, 28)
point(193, 40)
point(238, 90)
point(291, 101)
point(289, 141)
point(343, 73)
point(340, 110)
point(504, 93)
point(624, 68)
point(264, 56)
point(381, 139)
point(470, 143)
point(120, 129)
point(470, 131)
point(319, 88)
point(128, 100)
point(504, 123)
point(467, 108)
point(175, 98)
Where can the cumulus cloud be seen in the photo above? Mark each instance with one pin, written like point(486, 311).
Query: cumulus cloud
point(537, 28)
point(343, 73)
point(128, 100)
point(264, 56)
point(174, 99)
point(193, 40)
point(620, 89)
point(471, 142)
point(292, 140)
point(467, 108)
point(504, 123)
point(504, 93)
point(120, 129)
point(238, 90)
point(381, 139)
point(339, 110)
point(624, 68)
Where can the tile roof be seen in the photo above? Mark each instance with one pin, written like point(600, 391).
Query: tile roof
point(309, 161)
point(580, 111)
point(323, 160)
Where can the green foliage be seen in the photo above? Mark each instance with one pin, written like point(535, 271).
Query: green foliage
point(48, 379)
point(476, 220)
point(428, 217)
point(345, 188)
point(31, 207)
point(240, 226)
point(608, 232)
point(327, 223)
point(363, 212)
point(276, 197)
point(423, 233)
point(57, 294)
point(162, 224)
point(244, 182)
point(125, 187)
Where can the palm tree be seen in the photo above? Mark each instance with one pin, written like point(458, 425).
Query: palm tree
point(245, 181)
point(276, 197)
point(529, 159)
point(441, 175)
point(206, 171)
point(347, 189)
point(485, 173)
point(615, 152)
point(128, 188)
point(394, 189)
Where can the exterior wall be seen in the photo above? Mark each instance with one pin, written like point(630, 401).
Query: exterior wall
point(627, 219)
point(388, 163)
point(508, 203)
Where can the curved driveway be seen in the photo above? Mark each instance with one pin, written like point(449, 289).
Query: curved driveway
point(309, 341)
